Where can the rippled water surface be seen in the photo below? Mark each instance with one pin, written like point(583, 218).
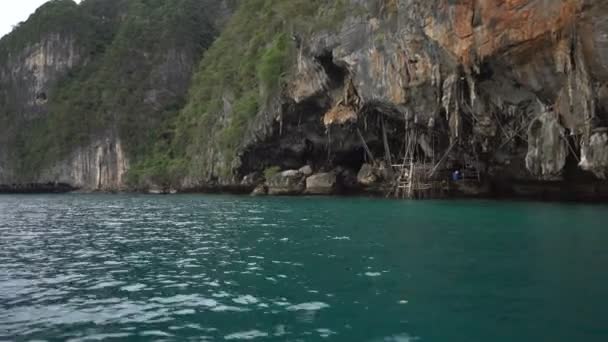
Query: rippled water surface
point(139, 268)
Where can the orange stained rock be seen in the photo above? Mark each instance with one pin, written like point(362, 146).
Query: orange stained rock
point(464, 13)
point(339, 115)
point(480, 28)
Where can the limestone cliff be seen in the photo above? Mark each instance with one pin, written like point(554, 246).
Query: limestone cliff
point(515, 90)
point(32, 72)
point(83, 87)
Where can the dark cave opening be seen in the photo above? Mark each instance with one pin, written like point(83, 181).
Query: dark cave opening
point(337, 74)
point(601, 117)
point(486, 72)
point(352, 159)
point(572, 171)
point(41, 96)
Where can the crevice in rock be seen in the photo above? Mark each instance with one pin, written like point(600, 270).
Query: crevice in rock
point(336, 73)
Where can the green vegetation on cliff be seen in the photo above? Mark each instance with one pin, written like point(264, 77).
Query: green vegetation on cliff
point(137, 58)
point(56, 16)
point(136, 61)
point(236, 80)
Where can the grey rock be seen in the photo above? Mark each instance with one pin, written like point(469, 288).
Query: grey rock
point(253, 178)
point(306, 170)
point(547, 150)
point(368, 175)
point(260, 190)
point(594, 157)
point(290, 182)
point(321, 184)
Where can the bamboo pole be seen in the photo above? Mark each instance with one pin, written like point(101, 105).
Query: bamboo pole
point(367, 150)
point(432, 173)
point(387, 149)
point(409, 191)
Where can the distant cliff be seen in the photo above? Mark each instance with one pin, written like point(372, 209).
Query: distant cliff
point(300, 95)
point(85, 89)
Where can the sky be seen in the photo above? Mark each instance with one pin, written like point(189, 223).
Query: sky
point(15, 11)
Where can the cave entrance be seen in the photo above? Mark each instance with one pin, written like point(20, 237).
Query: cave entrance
point(337, 74)
point(352, 159)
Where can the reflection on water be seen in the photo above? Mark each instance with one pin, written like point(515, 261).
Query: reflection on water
point(86, 267)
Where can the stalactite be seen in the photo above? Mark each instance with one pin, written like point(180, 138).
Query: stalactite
point(472, 89)
point(447, 94)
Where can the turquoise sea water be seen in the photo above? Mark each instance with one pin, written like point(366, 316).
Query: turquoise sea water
point(141, 268)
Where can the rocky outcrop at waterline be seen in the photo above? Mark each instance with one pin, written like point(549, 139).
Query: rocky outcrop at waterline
point(36, 188)
point(384, 96)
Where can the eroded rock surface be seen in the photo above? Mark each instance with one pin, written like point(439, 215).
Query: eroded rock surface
point(595, 155)
point(321, 184)
point(290, 182)
point(547, 149)
point(101, 166)
point(516, 88)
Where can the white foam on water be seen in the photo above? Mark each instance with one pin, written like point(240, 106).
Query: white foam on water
point(222, 294)
point(246, 300)
point(281, 303)
point(373, 274)
point(326, 333)
point(174, 299)
point(133, 288)
point(225, 308)
point(312, 306)
point(185, 312)
point(246, 335)
point(106, 285)
point(180, 285)
point(96, 337)
point(156, 333)
point(112, 263)
point(280, 330)
point(400, 338)
point(204, 302)
point(187, 300)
